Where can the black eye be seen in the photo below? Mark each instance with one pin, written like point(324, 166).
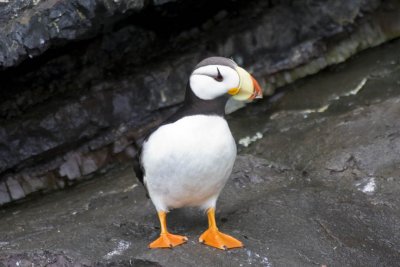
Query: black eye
point(219, 77)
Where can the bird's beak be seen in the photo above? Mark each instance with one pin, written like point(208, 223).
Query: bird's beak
point(248, 89)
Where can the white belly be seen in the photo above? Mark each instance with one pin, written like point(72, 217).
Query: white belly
point(187, 163)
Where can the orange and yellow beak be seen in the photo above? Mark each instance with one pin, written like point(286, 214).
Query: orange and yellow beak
point(248, 89)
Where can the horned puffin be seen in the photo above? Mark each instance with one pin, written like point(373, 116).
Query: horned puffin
point(188, 158)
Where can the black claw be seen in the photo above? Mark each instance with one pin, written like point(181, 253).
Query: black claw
point(224, 247)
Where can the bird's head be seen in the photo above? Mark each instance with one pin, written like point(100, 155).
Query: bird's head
point(218, 76)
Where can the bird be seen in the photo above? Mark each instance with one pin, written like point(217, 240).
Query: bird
point(187, 159)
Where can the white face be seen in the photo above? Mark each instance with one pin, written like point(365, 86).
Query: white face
point(207, 83)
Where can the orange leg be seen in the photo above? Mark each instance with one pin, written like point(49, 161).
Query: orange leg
point(166, 240)
point(214, 238)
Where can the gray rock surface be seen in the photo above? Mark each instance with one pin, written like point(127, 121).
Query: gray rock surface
point(89, 98)
point(28, 28)
point(318, 186)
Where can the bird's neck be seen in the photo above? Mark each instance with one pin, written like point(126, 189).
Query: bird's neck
point(195, 105)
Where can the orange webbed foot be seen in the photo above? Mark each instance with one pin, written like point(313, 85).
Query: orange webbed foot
point(167, 240)
point(214, 238)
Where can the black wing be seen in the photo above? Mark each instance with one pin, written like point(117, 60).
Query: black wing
point(138, 167)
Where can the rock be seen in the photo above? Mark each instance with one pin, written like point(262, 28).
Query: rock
point(15, 189)
point(34, 183)
point(26, 184)
point(77, 165)
point(71, 168)
point(75, 96)
point(30, 28)
point(52, 181)
point(4, 195)
point(94, 161)
point(319, 187)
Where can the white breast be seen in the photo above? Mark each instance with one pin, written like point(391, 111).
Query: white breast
point(187, 163)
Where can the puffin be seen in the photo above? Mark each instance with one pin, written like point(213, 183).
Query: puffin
point(187, 159)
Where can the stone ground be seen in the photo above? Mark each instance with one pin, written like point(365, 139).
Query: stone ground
point(317, 185)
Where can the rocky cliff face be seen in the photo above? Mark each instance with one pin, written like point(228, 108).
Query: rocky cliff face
point(316, 183)
point(81, 79)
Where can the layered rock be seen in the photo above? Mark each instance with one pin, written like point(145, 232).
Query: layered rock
point(319, 185)
point(77, 106)
point(31, 27)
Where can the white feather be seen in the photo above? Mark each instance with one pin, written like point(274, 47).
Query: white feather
point(206, 87)
point(187, 163)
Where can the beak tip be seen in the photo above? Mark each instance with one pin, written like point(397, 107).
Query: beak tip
point(258, 94)
point(248, 89)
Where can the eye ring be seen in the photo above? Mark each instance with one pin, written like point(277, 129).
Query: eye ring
point(219, 77)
